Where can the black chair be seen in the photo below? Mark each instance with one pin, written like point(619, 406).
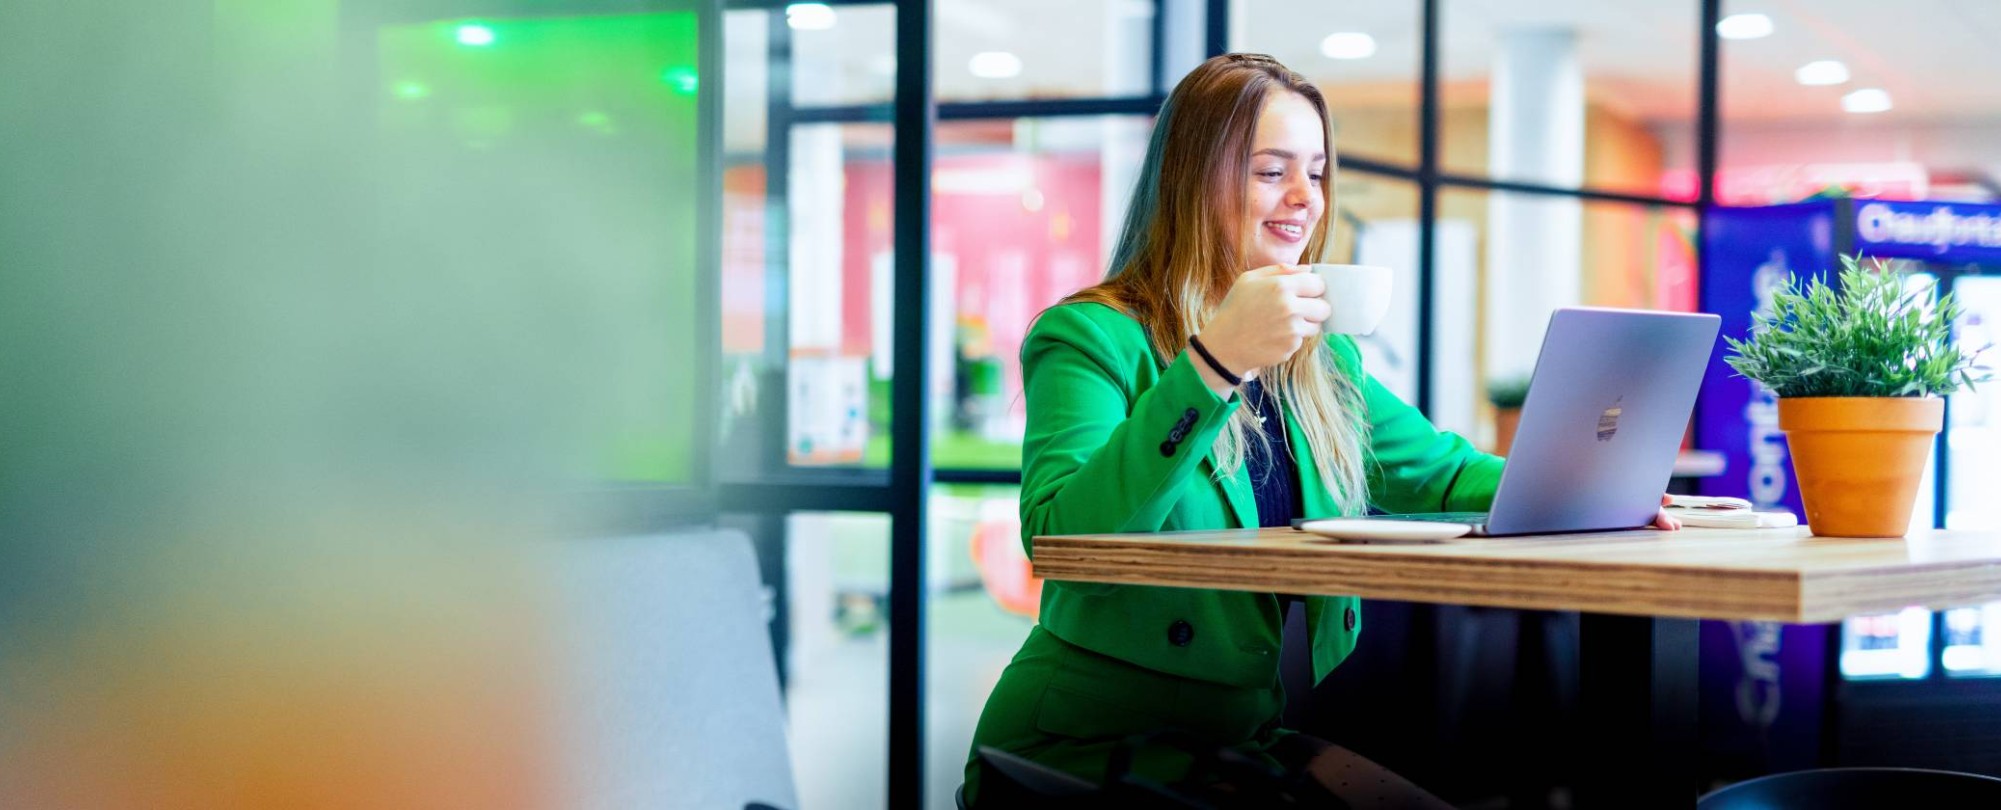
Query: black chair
point(1010, 781)
point(1846, 788)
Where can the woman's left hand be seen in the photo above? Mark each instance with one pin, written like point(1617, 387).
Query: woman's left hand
point(1665, 521)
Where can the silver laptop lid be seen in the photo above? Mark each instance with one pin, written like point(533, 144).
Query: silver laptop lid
point(1606, 410)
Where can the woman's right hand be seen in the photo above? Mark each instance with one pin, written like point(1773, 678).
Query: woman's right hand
point(1267, 315)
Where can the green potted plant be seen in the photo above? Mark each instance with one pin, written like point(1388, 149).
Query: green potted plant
point(1507, 395)
point(1860, 372)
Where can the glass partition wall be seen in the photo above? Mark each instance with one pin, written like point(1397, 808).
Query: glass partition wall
point(1041, 111)
point(1899, 115)
point(899, 602)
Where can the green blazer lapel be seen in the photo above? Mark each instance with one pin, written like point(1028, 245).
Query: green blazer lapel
point(1236, 491)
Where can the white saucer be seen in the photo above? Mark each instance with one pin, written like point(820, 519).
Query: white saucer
point(1352, 530)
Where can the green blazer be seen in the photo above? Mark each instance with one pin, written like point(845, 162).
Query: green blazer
point(1117, 443)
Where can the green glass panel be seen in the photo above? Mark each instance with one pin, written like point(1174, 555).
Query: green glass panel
point(597, 117)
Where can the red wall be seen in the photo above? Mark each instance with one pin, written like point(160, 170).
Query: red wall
point(1012, 261)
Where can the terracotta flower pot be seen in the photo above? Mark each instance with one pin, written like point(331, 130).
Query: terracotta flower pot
point(1859, 459)
point(1505, 422)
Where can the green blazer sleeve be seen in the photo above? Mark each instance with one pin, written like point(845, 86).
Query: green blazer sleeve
point(1119, 442)
point(1413, 466)
point(1098, 457)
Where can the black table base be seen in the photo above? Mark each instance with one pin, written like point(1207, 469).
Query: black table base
point(1637, 707)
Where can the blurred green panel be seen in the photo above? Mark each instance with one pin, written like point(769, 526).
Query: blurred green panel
point(253, 36)
point(599, 114)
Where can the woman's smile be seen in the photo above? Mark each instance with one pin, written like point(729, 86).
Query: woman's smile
point(1288, 231)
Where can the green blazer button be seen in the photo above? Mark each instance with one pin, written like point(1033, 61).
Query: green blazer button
point(1180, 633)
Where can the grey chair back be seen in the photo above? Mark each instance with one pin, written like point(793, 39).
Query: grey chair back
point(668, 675)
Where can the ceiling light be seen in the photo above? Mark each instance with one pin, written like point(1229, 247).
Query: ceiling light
point(478, 36)
point(1348, 45)
point(995, 65)
point(682, 79)
point(809, 16)
point(1825, 71)
point(1744, 26)
point(1866, 100)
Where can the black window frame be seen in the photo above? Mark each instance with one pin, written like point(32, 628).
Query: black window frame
point(902, 491)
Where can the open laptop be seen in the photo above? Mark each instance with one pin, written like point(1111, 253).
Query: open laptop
point(1604, 418)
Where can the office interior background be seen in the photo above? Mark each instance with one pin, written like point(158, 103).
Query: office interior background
point(1505, 157)
point(767, 266)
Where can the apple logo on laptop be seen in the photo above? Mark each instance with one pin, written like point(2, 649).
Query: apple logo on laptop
point(1608, 422)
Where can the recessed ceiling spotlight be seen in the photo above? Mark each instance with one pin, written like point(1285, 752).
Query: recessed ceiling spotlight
point(475, 35)
point(1825, 71)
point(809, 16)
point(1866, 100)
point(1348, 45)
point(1744, 26)
point(995, 65)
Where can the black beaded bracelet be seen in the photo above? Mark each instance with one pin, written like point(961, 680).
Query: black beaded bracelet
point(1232, 379)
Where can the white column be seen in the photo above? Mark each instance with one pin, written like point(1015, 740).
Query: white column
point(1126, 54)
point(813, 300)
point(1119, 159)
point(1534, 243)
point(816, 203)
point(1185, 35)
point(1127, 60)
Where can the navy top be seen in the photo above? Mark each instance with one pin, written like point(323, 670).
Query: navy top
point(1274, 475)
point(1275, 483)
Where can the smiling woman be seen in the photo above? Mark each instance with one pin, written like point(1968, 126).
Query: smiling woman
point(1137, 423)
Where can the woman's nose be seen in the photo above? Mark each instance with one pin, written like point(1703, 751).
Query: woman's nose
point(1300, 193)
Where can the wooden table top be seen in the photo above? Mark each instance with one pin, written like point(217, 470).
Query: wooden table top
point(1765, 574)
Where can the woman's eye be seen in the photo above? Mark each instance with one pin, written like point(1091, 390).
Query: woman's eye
point(1274, 174)
point(1316, 177)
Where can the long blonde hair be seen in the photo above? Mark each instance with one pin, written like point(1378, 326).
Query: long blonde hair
point(1182, 247)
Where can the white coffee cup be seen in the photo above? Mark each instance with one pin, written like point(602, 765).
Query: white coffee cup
point(1359, 295)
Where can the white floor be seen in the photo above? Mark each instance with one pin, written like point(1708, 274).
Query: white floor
point(838, 705)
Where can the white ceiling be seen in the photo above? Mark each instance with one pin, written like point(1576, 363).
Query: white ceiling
point(1623, 47)
point(1939, 59)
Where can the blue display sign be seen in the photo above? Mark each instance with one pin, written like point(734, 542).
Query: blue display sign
point(1761, 682)
point(1750, 254)
point(1928, 230)
point(1763, 686)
